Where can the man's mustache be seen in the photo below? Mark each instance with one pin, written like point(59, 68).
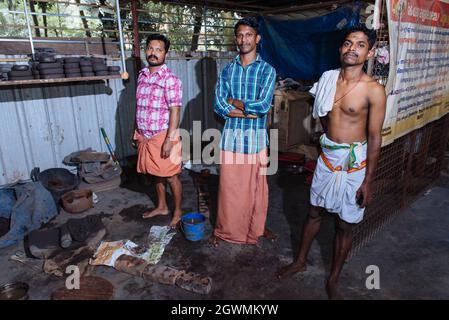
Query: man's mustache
point(351, 53)
point(151, 56)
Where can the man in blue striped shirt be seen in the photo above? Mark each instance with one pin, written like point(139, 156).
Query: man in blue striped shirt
point(242, 98)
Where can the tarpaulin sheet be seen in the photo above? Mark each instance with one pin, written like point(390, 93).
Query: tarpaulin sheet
point(304, 49)
point(28, 206)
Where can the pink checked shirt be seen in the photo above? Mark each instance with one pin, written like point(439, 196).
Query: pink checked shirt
point(157, 92)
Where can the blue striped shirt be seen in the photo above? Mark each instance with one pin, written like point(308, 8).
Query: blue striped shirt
point(254, 85)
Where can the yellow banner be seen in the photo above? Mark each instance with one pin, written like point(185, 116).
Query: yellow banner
point(418, 83)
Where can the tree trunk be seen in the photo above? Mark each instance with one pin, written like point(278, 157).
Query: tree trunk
point(84, 20)
point(196, 30)
point(37, 31)
point(44, 10)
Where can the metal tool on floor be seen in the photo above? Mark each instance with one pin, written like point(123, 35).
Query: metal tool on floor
point(108, 144)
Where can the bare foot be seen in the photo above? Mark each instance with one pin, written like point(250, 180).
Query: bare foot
point(291, 269)
point(269, 235)
point(155, 212)
point(332, 292)
point(213, 241)
point(175, 220)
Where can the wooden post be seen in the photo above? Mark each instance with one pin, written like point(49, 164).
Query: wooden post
point(136, 47)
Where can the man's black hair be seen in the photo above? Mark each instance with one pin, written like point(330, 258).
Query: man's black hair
point(159, 37)
point(250, 22)
point(370, 34)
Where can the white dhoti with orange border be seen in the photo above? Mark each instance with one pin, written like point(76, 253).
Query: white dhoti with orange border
point(338, 175)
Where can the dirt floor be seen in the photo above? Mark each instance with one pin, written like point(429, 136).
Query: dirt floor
point(411, 252)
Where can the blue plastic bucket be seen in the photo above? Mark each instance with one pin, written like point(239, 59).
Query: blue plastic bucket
point(193, 226)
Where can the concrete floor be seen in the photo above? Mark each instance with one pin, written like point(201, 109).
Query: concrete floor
point(411, 252)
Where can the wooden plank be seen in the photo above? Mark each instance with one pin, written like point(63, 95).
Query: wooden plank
point(62, 46)
point(61, 80)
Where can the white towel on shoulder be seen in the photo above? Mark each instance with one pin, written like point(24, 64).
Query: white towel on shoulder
point(324, 93)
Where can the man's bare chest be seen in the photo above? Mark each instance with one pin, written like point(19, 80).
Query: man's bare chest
point(350, 101)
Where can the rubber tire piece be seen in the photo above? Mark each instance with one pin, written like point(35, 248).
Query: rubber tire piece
point(51, 71)
point(71, 65)
point(21, 78)
point(45, 50)
point(86, 69)
point(15, 73)
point(72, 70)
point(49, 65)
point(100, 67)
point(101, 73)
point(72, 60)
point(20, 67)
point(97, 60)
point(53, 76)
point(113, 68)
point(73, 75)
point(47, 59)
point(86, 63)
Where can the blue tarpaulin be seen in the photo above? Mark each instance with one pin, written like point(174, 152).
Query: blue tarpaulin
point(304, 49)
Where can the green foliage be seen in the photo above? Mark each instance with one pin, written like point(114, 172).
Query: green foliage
point(189, 28)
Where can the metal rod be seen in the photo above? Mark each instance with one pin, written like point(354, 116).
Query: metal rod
point(108, 143)
point(57, 28)
point(205, 27)
point(112, 19)
point(57, 80)
point(377, 12)
point(29, 27)
point(98, 42)
point(59, 21)
point(57, 41)
point(122, 48)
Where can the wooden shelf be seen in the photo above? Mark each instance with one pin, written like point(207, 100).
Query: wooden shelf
point(60, 80)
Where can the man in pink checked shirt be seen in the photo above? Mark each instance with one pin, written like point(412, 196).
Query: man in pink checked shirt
point(159, 100)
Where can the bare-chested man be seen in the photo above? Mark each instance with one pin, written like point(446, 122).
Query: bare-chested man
point(352, 113)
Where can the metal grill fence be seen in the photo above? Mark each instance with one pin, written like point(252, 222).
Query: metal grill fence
point(406, 168)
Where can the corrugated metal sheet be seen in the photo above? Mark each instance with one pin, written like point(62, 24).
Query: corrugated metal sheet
point(39, 126)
